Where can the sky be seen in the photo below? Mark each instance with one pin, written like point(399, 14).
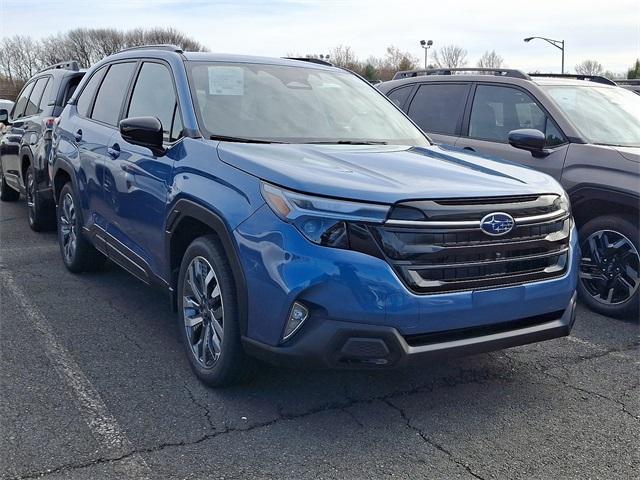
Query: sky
point(607, 31)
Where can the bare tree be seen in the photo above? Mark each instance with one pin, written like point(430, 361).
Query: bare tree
point(589, 67)
point(450, 56)
point(344, 57)
point(490, 59)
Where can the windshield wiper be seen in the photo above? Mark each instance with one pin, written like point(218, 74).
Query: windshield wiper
point(225, 138)
point(349, 142)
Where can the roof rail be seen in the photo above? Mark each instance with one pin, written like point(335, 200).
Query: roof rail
point(311, 60)
point(500, 72)
point(628, 81)
point(68, 65)
point(163, 46)
point(588, 78)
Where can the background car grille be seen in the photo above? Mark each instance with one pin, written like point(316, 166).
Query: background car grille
point(438, 246)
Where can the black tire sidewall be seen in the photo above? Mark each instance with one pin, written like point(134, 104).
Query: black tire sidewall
point(34, 220)
point(626, 227)
point(7, 194)
point(227, 369)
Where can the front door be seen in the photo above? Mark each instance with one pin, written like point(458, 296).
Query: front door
point(497, 110)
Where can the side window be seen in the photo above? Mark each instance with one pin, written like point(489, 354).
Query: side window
point(438, 108)
point(70, 89)
point(498, 110)
point(154, 96)
point(21, 103)
point(399, 95)
point(33, 105)
point(83, 104)
point(106, 108)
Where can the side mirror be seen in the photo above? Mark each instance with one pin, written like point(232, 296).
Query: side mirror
point(530, 140)
point(4, 115)
point(144, 131)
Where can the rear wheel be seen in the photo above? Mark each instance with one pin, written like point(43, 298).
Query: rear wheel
point(41, 214)
point(78, 254)
point(610, 267)
point(7, 194)
point(208, 315)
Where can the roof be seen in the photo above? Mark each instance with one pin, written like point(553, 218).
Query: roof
point(166, 52)
point(568, 82)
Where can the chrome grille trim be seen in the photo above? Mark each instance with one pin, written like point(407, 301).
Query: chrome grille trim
point(557, 215)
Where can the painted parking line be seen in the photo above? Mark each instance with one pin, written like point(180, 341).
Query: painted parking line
point(95, 413)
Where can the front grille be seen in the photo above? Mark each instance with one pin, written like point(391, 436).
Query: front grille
point(447, 251)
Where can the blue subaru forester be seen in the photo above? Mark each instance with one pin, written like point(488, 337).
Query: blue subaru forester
point(294, 214)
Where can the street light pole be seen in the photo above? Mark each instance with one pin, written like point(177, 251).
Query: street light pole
point(556, 43)
point(426, 45)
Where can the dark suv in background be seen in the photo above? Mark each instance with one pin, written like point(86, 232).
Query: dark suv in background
point(26, 143)
point(582, 130)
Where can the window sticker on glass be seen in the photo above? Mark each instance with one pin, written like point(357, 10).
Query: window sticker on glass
point(226, 80)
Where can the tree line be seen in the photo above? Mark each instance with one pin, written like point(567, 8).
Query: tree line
point(21, 56)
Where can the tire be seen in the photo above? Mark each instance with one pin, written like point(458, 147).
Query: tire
point(609, 271)
point(221, 360)
point(78, 254)
point(7, 194)
point(41, 213)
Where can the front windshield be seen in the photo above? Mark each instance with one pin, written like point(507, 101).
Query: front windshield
point(295, 105)
point(603, 115)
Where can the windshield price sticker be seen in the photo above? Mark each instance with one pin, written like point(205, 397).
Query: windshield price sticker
point(226, 81)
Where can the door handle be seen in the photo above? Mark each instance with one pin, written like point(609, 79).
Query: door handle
point(78, 135)
point(114, 151)
point(469, 149)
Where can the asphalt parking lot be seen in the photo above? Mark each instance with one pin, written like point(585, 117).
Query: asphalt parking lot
point(94, 384)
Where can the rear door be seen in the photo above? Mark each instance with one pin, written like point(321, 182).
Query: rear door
point(498, 109)
point(137, 180)
point(438, 109)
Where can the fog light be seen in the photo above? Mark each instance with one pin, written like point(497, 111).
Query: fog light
point(297, 317)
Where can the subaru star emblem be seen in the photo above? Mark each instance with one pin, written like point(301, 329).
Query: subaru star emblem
point(496, 224)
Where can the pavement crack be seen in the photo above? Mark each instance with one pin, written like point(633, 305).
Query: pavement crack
point(203, 406)
point(432, 442)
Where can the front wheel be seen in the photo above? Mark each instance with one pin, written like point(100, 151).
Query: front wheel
point(78, 254)
point(610, 266)
point(208, 316)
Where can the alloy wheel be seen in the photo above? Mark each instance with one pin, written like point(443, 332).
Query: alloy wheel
point(68, 228)
point(610, 267)
point(203, 312)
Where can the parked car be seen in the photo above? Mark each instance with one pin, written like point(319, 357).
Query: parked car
point(293, 214)
point(584, 131)
point(26, 142)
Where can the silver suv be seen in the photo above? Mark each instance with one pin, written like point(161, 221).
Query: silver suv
point(584, 131)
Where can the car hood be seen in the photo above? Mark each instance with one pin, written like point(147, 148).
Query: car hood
point(630, 153)
point(386, 173)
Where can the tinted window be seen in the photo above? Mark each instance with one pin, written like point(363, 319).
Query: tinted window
point(71, 88)
point(106, 108)
point(18, 110)
point(399, 95)
point(154, 96)
point(498, 110)
point(83, 103)
point(33, 105)
point(438, 108)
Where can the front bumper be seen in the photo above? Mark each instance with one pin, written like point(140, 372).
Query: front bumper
point(354, 296)
point(335, 344)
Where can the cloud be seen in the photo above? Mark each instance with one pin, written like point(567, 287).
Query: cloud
point(606, 31)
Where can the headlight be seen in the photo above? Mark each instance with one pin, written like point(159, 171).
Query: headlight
point(322, 220)
point(563, 203)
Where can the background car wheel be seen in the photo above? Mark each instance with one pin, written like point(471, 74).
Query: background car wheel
point(7, 194)
point(78, 254)
point(610, 267)
point(41, 214)
point(208, 315)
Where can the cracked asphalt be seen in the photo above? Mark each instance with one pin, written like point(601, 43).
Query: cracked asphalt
point(94, 384)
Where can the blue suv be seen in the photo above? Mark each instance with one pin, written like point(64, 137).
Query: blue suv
point(292, 213)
